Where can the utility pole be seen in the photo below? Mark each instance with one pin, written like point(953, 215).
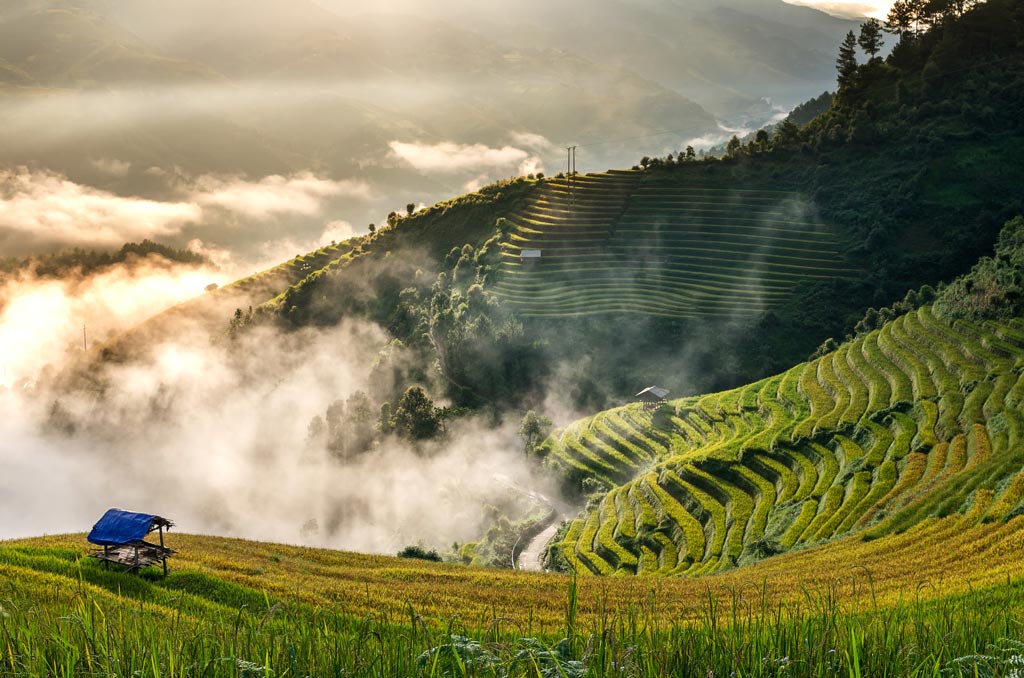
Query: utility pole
point(570, 174)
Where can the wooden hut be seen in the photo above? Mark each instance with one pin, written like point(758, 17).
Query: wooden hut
point(122, 536)
point(652, 396)
point(529, 258)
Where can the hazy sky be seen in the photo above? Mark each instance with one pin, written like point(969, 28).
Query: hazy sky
point(848, 8)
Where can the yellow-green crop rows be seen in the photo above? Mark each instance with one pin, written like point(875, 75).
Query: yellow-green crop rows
point(620, 242)
point(909, 422)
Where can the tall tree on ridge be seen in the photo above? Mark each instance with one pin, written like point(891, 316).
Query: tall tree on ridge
point(870, 39)
point(846, 64)
point(900, 20)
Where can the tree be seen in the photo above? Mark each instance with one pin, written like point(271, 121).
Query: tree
point(691, 155)
point(415, 416)
point(846, 63)
point(533, 429)
point(761, 139)
point(358, 424)
point(934, 12)
point(870, 39)
point(373, 228)
point(787, 133)
point(446, 413)
point(385, 422)
point(900, 20)
point(410, 208)
point(732, 149)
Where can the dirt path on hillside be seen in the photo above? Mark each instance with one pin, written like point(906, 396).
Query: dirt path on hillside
point(530, 557)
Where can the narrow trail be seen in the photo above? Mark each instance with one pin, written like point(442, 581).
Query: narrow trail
point(530, 557)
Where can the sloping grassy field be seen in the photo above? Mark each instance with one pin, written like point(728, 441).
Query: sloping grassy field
point(905, 604)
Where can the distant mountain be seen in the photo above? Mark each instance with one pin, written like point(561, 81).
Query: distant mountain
point(265, 87)
point(725, 55)
point(70, 47)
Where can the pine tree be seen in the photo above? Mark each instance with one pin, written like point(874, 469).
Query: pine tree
point(870, 39)
point(846, 64)
point(900, 20)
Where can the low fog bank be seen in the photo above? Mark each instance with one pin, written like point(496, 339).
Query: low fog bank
point(46, 320)
point(213, 433)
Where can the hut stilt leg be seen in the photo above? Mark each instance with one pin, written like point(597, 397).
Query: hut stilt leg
point(164, 559)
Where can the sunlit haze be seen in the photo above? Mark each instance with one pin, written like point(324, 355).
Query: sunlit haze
point(848, 8)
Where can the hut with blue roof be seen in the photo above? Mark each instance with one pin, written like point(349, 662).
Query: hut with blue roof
point(122, 536)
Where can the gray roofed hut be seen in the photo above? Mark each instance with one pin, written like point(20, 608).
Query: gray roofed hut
point(529, 257)
point(652, 396)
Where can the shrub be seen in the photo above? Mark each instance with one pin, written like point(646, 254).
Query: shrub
point(420, 553)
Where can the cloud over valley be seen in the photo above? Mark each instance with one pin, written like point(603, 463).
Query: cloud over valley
point(450, 156)
point(303, 193)
point(40, 209)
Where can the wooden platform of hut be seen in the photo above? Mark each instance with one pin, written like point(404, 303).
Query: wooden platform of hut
point(120, 536)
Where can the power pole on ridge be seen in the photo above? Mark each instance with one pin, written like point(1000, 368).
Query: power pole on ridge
point(570, 174)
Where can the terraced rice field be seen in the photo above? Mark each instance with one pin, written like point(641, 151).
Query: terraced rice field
point(619, 242)
point(918, 419)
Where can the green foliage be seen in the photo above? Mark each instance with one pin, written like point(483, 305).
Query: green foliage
point(995, 286)
point(533, 429)
point(846, 62)
point(415, 416)
point(1004, 658)
point(801, 115)
point(662, 416)
point(418, 552)
point(870, 37)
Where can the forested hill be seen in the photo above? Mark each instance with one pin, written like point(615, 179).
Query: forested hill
point(699, 274)
point(84, 262)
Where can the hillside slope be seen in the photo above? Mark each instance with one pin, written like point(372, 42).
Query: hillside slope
point(701, 275)
point(625, 243)
point(240, 608)
point(920, 418)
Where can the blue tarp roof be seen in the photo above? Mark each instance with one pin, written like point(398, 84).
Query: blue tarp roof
point(118, 527)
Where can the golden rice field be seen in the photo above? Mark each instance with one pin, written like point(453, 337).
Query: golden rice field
point(938, 557)
point(921, 603)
